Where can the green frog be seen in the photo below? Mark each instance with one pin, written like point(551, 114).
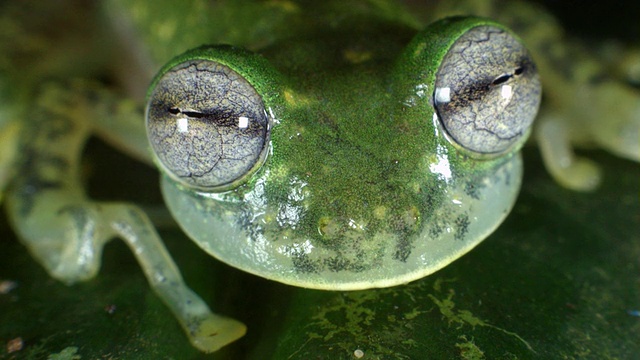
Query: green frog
point(328, 145)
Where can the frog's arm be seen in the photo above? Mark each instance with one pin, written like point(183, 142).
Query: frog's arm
point(120, 122)
point(66, 231)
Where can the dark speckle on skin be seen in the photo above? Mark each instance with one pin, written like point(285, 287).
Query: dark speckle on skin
point(31, 182)
point(403, 249)
point(339, 263)
point(303, 264)
point(336, 264)
point(436, 230)
point(462, 226)
point(472, 189)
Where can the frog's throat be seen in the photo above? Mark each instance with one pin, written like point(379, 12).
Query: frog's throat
point(459, 223)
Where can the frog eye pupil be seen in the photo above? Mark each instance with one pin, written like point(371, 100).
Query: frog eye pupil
point(207, 125)
point(505, 77)
point(191, 114)
point(487, 91)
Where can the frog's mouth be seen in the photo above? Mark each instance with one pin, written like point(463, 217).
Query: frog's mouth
point(461, 221)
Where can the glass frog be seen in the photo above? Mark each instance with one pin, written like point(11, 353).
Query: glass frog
point(359, 150)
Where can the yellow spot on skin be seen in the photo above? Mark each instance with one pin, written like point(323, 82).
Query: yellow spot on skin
point(380, 212)
point(289, 97)
point(356, 57)
point(296, 100)
point(419, 49)
point(166, 30)
point(286, 6)
point(139, 12)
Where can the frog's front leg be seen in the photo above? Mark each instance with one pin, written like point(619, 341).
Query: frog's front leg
point(66, 231)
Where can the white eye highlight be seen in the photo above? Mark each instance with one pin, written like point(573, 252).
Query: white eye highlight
point(443, 95)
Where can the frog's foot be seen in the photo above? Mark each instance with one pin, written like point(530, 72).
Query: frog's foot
point(568, 170)
point(212, 332)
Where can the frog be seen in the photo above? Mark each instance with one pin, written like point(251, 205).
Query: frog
point(331, 170)
point(343, 159)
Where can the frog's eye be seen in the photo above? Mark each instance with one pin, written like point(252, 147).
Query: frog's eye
point(207, 125)
point(487, 91)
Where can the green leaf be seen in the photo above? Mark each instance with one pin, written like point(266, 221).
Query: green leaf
point(559, 279)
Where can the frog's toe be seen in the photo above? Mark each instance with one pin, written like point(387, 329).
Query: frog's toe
point(214, 332)
point(568, 170)
point(581, 175)
point(71, 272)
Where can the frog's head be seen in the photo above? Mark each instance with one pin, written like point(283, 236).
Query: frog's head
point(329, 166)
